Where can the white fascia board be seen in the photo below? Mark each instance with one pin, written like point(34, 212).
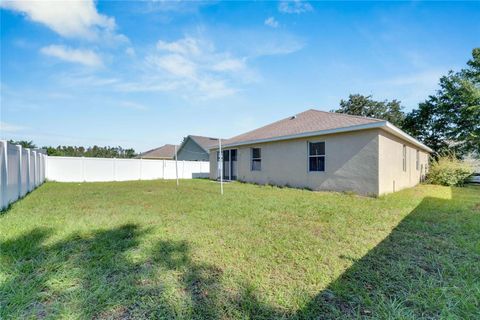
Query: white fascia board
point(405, 136)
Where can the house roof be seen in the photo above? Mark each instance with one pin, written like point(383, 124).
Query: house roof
point(205, 143)
point(314, 123)
point(164, 152)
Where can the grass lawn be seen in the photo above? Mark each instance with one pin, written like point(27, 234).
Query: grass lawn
point(145, 249)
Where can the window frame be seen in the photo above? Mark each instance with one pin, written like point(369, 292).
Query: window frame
point(317, 156)
point(404, 158)
point(255, 159)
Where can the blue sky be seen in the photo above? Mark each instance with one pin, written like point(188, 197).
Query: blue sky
point(142, 74)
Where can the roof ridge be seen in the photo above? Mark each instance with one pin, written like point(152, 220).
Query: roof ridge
point(346, 114)
point(194, 135)
point(269, 124)
point(167, 144)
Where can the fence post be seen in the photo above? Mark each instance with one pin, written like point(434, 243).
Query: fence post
point(46, 166)
point(141, 168)
point(27, 174)
point(34, 169)
point(3, 174)
point(163, 169)
point(20, 169)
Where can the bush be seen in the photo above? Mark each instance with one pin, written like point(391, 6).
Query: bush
point(447, 170)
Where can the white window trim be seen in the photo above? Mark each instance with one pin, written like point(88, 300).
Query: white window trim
point(252, 158)
point(324, 156)
point(404, 158)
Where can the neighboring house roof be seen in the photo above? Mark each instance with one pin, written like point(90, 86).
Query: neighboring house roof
point(164, 152)
point(314, 123)
point(206, 143)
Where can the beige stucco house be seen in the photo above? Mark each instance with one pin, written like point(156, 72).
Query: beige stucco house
point(325, 151)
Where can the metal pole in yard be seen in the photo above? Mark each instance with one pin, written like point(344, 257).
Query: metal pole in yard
point(176, 164)
point(220, 156)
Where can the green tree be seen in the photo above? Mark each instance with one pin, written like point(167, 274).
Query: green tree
point(95, 152)
point(360, 105)
point(450, 119)
point(24, 143)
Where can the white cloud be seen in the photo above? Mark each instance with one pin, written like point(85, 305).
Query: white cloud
point(427, 78)
point(71, 19)
point(175, 64)
point(133, 105)
point(10, 128)
point(230, 65)
point(410, 88)
point(195, 67)
point(148, 85)
point(272, 48)
point(271, 22)
point(295, 6)
point(85, 57)
point(130, 51)
point(185, 46)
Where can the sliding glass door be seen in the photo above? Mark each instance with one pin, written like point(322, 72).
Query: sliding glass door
point(230, 164)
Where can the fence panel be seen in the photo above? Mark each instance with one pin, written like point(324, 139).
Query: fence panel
point(13, 173)
point(127, 169)
point(18, 173)
point(76, 169)
point(3, 174)
point(152, 169)
point(31, 170)
point(24, 183)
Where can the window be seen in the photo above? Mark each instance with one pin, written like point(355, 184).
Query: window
point(316, 156)
point(417, 163)
point(256, 159)
point(404, 162)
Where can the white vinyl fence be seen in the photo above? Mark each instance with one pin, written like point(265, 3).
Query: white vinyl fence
point(80, 169)
point(21, 171)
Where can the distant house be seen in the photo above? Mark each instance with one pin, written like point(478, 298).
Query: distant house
point(165, 152)
point(325, 151)
point(196, 148)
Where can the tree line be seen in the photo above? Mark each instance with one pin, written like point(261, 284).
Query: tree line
point(74, 151)
point(448, 120)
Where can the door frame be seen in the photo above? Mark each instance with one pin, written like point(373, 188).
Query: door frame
point(229, 164)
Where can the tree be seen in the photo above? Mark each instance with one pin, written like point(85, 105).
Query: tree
point(450, 119)
point(95, 152)
point(23, 143)
point(365, 106)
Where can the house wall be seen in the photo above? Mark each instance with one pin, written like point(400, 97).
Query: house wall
point(351, 163)
point(191, 151)
point(391, 175)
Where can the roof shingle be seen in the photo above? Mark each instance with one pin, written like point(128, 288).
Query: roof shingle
point(307, 121)
point(205, 142)
point(164, 152)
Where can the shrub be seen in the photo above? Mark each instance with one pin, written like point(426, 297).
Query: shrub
point(447, 170)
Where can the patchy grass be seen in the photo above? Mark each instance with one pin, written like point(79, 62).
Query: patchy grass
point(146, 249)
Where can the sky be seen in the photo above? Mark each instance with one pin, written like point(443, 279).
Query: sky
point(143, 74)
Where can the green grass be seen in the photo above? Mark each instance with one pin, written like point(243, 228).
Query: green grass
point(146, 249)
